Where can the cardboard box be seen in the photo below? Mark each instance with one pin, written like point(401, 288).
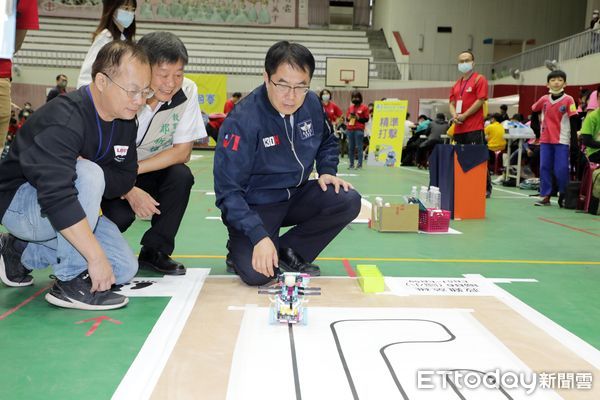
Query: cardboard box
point(396, 218)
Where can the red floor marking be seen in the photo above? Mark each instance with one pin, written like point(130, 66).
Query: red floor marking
point(24, 303)
point(569, 227)
point(98, 321)
point(349, 269)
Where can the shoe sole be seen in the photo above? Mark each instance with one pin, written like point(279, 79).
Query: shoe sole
point(8, 282)
point(74, 304)
point(147, 265)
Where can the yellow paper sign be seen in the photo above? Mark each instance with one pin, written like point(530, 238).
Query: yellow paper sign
point(387, 133)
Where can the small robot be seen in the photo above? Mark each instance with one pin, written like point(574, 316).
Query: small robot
point(288, 298)
point(391, 159)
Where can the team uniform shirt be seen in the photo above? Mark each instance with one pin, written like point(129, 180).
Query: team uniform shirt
point(333, 112)
point(361, 112)
point(263, 157)
point(229, 104)
point(27, 19)
point(555, 114)
point(85, 73)
point(591, 126)
point(494, 134)
point(175, 122)
point(464, 93)
point(46, 149)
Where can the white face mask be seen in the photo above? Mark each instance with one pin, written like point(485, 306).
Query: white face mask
point(465, 67)
point(552, 91)
point(124, 17)
point(326, 97)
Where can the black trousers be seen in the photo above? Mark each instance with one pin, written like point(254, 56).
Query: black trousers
point(475, 137)
point(316, 216)
point(171, 188)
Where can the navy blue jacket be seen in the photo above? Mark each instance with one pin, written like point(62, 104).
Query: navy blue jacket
point(258, 160)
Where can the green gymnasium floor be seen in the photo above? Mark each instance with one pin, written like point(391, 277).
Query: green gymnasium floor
point(46, 354)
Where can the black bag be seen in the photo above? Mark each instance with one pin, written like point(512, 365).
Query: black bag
point(572, 195)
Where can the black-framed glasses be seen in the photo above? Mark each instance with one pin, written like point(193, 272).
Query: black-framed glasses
point(145, 94)
point(286, 89)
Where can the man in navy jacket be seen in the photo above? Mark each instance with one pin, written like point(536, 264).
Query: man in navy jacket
point(265, 154)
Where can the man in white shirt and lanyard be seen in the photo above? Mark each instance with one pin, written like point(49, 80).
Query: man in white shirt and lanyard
point(168, 124)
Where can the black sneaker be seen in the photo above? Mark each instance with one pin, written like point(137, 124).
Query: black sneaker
point(230, 265)
point(76, 294)
point(12, 272)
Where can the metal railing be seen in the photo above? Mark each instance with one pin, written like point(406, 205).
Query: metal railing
point(574, 46)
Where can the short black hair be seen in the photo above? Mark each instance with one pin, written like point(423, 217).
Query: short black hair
point(468, 52)
point(111, 54)
point(440, 116)
point(504, 107)
point(497, 117)
point(518, 117)
point(323, 91)
point(407, 115)
point(423, 116)
point(294, 54)
point(556, 74)
point(60, 76)
point(164, 47)
point(237, 95)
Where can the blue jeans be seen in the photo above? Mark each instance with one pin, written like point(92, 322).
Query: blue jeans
point(554, 161)
point(47, 247)
point(355, 139)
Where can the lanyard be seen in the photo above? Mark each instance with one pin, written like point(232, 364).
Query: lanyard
point(112, 130)
point(464, 86)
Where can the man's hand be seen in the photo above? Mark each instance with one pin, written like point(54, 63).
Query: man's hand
point(459, 119)
point(327, 179)
point(101, 273)
point(142, 204)
point(264, 257)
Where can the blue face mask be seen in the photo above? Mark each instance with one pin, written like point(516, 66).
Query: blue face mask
point(465, 67)
point(124, 17)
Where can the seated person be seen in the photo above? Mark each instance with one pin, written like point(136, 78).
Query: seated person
point(261, 172)
point(494, 135)
point(437, 128)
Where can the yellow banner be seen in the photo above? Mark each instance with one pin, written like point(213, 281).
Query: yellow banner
point(387, 133)
point(212, 91)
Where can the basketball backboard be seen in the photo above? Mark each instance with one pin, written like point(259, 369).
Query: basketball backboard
point(344, 72)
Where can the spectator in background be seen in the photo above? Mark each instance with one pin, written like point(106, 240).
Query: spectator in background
point(116, 23)
point(26, 111)
point(61, 87)
point(26, 18)
point(231, 102)
point(437, 128)
point(557, 133)
point(494, 134)
point(356, 116)
point(594, 23)
point(590, 135)
point(333, 112)
point(503, 114)
point(595, 28)
point(408, 129)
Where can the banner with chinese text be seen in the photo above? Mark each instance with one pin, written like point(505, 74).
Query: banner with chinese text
point(387, 133)
point(212, 91)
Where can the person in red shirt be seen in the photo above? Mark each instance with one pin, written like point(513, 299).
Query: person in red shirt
point(558, 131)
point(230, 103)
point(356, 116)
point(27, 18)
point(333, 111)
point(467, 97)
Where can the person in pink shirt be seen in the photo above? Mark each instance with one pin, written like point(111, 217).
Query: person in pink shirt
point(557, 132)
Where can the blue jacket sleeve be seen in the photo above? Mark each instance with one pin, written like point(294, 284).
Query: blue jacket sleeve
point(328, 154)
point(234, 156)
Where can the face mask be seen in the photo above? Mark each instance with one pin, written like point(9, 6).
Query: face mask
point(356, 102)
point(325, 97)
point(552, 91)
point(62, 84)
point(465, 67)
point(124, 17)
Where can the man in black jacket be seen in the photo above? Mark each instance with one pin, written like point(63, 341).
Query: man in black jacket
point(265, 154)
point(72, 152)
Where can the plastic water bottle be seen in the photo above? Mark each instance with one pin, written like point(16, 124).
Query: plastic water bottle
point(413, 192)
point(435, 198)
point(424, 196)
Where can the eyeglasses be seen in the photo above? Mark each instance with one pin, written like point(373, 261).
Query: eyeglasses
point(286, 89)
point(145, 94)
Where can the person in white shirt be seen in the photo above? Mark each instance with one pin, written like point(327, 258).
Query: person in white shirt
point(117, 21)
point(408, 127)
point(168, 125)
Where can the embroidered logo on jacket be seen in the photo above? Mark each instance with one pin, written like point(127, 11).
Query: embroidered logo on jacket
point(120, 152)
point(231, 137)
point(271, 141)
point(306, 129)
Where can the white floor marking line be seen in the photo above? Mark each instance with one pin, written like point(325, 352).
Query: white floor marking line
point(213, 218)
point(451, 231)
point(574, 343)
point(144, 372)
point(196, 157)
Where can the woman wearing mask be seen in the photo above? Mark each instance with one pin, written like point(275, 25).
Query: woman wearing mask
point(117, 22)
point(356, 117)
point(331, 109)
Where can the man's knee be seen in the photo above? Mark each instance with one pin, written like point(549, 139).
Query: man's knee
point(90, 177)
point(122, 220)
point(254, 278)
point(181, 177)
